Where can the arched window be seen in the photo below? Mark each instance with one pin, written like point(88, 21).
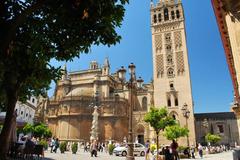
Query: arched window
point(154, 18)
point(177, 13)
point(168, 47)
point(176, 101)
point(144, 103)
point(166, 16)
point(169, 59)
point(174, 117)
point(159, 17)
point(168, 37)
point(172, 14)
point(169, 102)
point(170, 72)
point(171, 86)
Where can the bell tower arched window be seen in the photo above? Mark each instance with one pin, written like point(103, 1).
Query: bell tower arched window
point(170, 72)
point(177, 13)
point(159, 17)
point(154, 18)
point(172, 15)
point(169, 102)
point(176, 101)
point(169, 59)
point(166, 15)
point(174, 117)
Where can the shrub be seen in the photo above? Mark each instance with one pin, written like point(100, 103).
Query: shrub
point(111, 148)
point(212, 138)
point(44, 143)
point(181, 149)
point(63, 146)
point(74, 147)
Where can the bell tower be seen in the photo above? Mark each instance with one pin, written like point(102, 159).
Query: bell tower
point(172, 84)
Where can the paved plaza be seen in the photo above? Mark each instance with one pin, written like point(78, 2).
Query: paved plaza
point(104, 156)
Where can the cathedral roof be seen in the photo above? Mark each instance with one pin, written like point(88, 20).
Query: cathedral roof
point(216, 115)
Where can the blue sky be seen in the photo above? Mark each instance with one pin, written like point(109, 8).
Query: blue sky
point(211, 83)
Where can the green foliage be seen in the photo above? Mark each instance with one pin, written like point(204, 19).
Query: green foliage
point(74, 148)
point(40, 31)
point(47, 133)
point(28, 128)
point(63, 146)
point(111, 148)
point(174, 132)
point(159, 119)
point(212, 138)
point(35, 32)
point(38, 130)
point(44, 143)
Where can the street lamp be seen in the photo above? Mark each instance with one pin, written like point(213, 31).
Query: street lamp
point(130, 155)
point(121, 75)
point(186, 114)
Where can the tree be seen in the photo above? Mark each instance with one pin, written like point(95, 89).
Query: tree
point(174, 132)
point(28, 128)
point(159, 120)
point(38, 130)
point(35, 31)
point(212, 138)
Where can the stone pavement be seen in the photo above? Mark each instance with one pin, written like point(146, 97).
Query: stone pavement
point(104, 156)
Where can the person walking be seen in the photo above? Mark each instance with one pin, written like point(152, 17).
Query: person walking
point(200, 150)
point(147, 150)
point(52, 144)
point(174, 147)
point(93, 148)
point(167, 154)
point(56, 145)
point(192, 150)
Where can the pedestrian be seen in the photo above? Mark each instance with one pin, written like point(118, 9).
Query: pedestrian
point(56, 145)
point(147, 150)
point(206, 150)
point(85, 147)
point(192, 149)
point(174, 147)
point(167, 154)
point(52, 144)
point(200, 150)
point(93, 148)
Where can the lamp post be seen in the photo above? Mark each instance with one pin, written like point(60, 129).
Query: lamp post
point(186, 114)
point(130, 155)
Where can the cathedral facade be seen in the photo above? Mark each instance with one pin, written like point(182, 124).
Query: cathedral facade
point(69, 111)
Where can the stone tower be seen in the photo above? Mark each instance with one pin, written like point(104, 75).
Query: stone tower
point(172, 84)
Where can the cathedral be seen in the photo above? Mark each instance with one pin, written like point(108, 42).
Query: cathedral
point(69, 111)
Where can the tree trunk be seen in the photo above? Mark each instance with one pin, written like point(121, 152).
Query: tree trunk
point(7, 126)
point(157, 144)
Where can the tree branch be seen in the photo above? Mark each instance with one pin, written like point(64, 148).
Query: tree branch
point(20, 19)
